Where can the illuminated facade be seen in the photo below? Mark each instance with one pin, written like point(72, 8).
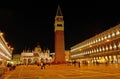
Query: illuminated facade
point(5, 51)
point(35, 56)
point(102, 48)
point(16, 58)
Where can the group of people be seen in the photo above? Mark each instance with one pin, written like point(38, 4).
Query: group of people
point(11, 66)
point(41, 64)
point(74, 62)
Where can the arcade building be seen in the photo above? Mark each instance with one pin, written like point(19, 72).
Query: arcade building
point(101, 48)
point(5, 51)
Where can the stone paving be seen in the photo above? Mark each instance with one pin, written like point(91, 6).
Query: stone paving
point(64, 71)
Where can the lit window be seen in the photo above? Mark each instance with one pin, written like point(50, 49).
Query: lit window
point(90, 51)
point(119, 45)
point(103, 48)
point(100, 49)
point(110, 47)
point(105, 37)
point(113, 34)
point(107, 48)
point(99, 40)
point(94, 50)
point(102, 38)
point(117, 32)
point(114, 46)
point(97, 50)
point(96, 40)
point(109, 36)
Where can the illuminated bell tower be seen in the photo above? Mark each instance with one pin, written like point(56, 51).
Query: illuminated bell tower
point(59, 37)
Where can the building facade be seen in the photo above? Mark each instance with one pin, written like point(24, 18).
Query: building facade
point(5, 51)
point(35, 56)
point(102, 48)
point(16, 58)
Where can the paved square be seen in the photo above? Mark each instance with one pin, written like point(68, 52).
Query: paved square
point(63, 71)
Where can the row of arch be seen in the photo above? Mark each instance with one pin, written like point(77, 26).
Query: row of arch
point(34, 60)
point(111, 33)
point(100, 48)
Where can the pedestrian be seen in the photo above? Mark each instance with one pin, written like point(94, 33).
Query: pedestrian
point(9, 65)
point(38, 63)
point(43, 64)
point(74, 62)
point(79, 64)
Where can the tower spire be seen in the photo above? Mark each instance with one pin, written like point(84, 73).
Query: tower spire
point(59, 13)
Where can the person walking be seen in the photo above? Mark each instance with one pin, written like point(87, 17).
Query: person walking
point(74, 62)
point(43, 64)
point(79, 64)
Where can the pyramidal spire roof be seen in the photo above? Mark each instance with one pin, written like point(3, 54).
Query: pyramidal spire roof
point(59, 13)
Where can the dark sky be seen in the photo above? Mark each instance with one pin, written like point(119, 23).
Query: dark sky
point(26, 23)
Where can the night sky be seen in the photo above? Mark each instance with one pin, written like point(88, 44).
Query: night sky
point(27, 23)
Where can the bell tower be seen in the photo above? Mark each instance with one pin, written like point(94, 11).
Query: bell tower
point(59, 37)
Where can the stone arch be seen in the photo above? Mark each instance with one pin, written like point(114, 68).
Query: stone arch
point(29, 61)
point(35, 60)
point(24, 61)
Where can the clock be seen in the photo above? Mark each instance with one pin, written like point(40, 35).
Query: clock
point(59, 19)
